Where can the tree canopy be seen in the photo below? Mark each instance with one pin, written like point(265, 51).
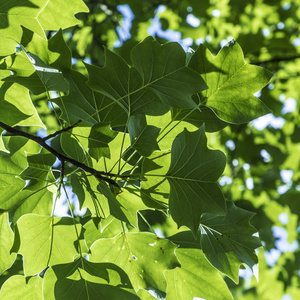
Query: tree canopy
point(149, 149)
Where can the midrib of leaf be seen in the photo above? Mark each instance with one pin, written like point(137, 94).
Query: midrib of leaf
point(23, 200)
point(179, 178)
point(225, 235)
point(133, 92)
point(222, 86)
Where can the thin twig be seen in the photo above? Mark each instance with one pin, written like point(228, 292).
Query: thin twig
point(52, 135)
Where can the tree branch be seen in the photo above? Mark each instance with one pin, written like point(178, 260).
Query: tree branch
point(52, 135)
point(42, 142)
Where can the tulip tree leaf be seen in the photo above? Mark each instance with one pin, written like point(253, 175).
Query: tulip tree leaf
point(9, 114)
point(192, 176)
point(35, 15)
point(6, 241)
point(228, 241)
point(143, 256)
point(28, 289)
point(170, 84)
point(231, 82)
point(142, 136)
point(60, 14)
point(195, 278)
point(100, 135)
point(82, 279)
point(39, 168)
point(46, 241)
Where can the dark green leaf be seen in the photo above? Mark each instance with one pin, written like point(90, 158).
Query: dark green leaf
point(228, 241)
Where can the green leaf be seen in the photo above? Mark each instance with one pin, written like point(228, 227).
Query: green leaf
point(143, 256)
point(199, 117)
point(86, 280)
point(26, 201)
point(6, 241)
point(14, 15)
point(192, 177)
point(72, 147)
point(228, 241)
point(131, 203)
point(114, 206)
point(60, 14)
point(19, 108)
point(34, 15)
point(84, 104)
point(47, 241)
point(142, 136)
point(100, 136)
point(11, 115)
point(162, 68)
point(39, 168)
point(20, 287)
point(86, 190)
point(10, 185)
point(195, 278)
point(167, 84)
point(231, 82)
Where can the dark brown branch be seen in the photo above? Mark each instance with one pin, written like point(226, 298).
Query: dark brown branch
point(97, 174)
point(52, 135)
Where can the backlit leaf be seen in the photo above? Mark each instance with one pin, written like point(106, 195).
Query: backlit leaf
point(143, 256)
point(231, 82)
point(228, 241)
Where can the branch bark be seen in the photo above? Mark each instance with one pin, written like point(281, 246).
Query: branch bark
point(42, 142)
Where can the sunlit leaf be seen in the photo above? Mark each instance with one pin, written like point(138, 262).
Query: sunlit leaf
point(231, 82)
point(28, 289)
point(86, 280)
point(143, 256)
point(47, 241)
point(6, 241)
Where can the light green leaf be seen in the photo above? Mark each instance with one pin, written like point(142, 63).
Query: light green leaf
point(34, 15)
point(72, 147)
point(231, 82)
point(19, 287)
point(142, 136)
point(88, 195)
point(47, 241)
point(6, 241)
point(195, 278)
point(11, 115)
point(86, 280)
point(155, 189)
point(15, 14)
point(60, 14)
point(39, 169)
point(18, 96)
point(10, 185)
point(114, 206)
point(143, 256)
point(229, 242)
point(131, 203)
point(26, 201)
point(100, 135)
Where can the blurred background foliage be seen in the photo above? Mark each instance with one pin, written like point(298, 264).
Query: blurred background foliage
point(263, 170)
